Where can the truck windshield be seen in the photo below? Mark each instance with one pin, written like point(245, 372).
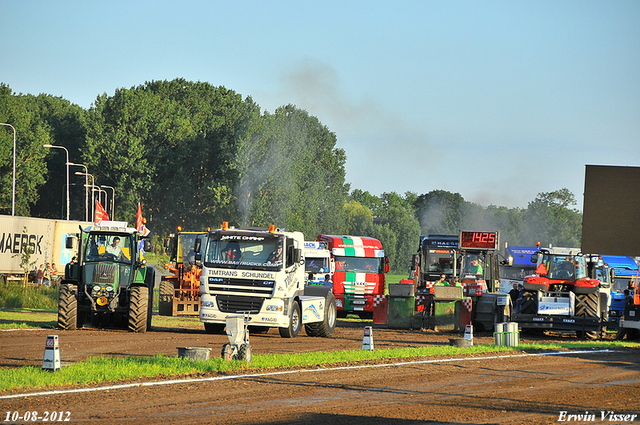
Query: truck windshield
point(108, 247)
point(439, 261)
point(258, 253)
point(359, 264)
point(316, 265)
point(569, 267)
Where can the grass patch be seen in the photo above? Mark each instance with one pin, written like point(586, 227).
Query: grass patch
point(98, 370)
point(14, 295)
point(25, 319)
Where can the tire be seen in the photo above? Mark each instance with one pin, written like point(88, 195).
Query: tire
point(325, 328)
point(150, 280)
point(165, 300)
point(68, 307)
point(227, 352)
point(295, 321)
point(587, 305)
point(214, 328)
point(244, 353)
point(138, 308)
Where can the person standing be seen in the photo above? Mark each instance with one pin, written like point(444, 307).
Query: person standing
point(40, 274)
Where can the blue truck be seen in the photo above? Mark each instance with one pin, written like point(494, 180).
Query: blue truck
point(624, 269)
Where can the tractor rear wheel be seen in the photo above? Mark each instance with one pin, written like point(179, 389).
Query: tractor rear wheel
point(68, 307)
point(138, 308)
point(165, 301)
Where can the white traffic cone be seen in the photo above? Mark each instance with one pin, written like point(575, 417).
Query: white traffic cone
point(51, 359)
point(367, 339)
point(468, 333)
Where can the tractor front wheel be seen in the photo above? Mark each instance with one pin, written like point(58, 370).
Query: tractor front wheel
point(138, 309)
point(68, 307)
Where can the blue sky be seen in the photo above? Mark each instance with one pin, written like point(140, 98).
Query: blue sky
point(495, 100)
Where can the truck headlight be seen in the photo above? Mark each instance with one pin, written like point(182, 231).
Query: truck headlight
point(274, 308)
point(208, 304)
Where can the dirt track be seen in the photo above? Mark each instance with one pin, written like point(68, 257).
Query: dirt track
point(524, 389)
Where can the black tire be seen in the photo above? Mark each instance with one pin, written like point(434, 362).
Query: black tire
point(227, 352)
point(295, 321)
point(165, 300)
point(138, 309)
point(244, 353)
point(325, 328)
point(150, 281)
point(214, 328)
point(68, 307)
point(587, 305)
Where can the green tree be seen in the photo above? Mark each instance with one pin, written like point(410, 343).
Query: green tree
point(550, 220)
point(291, 174)
point(24, 114)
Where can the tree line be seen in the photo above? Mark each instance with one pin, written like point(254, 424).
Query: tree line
point(196, 155)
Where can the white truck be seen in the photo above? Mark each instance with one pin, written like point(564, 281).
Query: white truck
point(46, 237)
point(260, 273)
point(319, 265)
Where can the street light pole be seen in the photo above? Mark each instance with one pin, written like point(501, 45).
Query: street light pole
point(67, 164)
point(113, 200)
point(13, 199)
point(86, 190)
point(93, 188)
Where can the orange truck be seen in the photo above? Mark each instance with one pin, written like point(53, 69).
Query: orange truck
point(180, 288)
point(359, 277)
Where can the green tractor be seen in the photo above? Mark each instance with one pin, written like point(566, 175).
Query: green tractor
point(108, 284)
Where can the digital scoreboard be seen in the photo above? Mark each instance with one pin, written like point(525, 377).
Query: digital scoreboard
point(479, 240)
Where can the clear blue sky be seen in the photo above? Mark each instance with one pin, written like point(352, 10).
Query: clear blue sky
point(495, 100)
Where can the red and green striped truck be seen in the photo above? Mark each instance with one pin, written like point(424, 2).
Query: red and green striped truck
point(359, 278)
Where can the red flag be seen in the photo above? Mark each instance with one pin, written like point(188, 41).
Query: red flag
point(101, 214)
point(139, 217)
point(140, 222)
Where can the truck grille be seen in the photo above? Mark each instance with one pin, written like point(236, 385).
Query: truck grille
point(234, 304)
point(250, 287)
point(104, 273)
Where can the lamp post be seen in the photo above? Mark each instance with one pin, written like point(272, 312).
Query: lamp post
point(93, 188)
point(13, 199)
point(86, 190)
point(113, 200)
point(67, 164)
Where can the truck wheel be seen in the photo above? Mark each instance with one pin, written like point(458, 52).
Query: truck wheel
point(244, 353)
point(325, 328)
point(214, 328)
point(138, 308)
point(68, 307)
point(165, 301)
point(292, 330)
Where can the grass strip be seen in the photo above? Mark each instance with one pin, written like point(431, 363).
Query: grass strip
point(100, 370)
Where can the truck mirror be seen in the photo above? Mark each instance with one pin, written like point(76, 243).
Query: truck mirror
point(146, 245)
point(297, 256)
point(68, 243)
point(414, 261)
point(534, 258)
point(197, 245)
point(386, 264)
point(198, 259)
